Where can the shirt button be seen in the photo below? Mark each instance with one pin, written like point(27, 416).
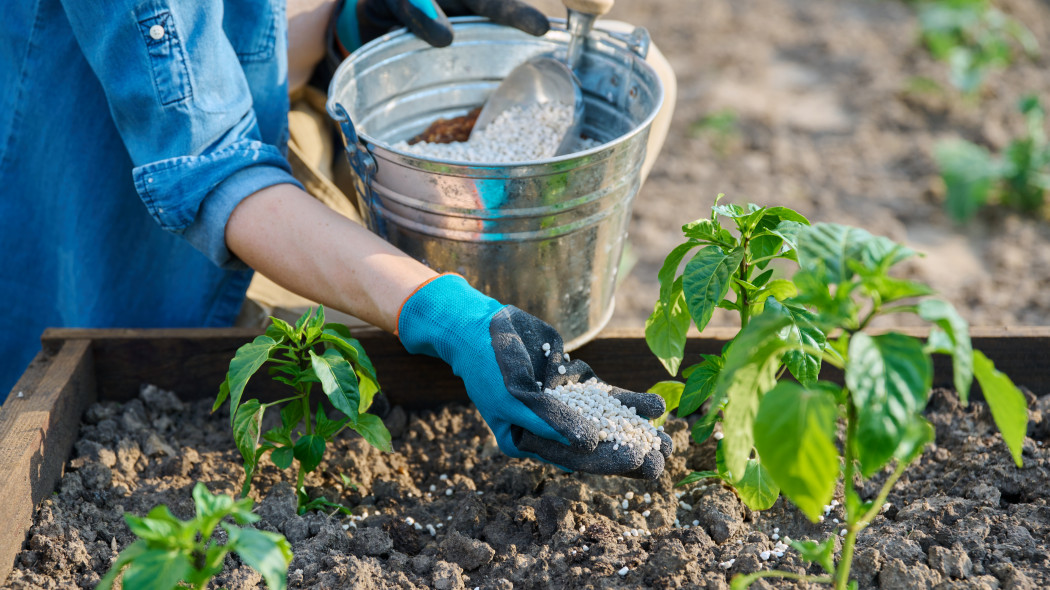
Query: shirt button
point(157, 32)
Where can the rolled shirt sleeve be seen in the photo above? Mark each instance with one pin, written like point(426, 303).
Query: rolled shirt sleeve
point(183, 107)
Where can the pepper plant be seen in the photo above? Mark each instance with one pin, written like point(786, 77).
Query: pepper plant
point(844, 281)
point(1019, 178)
point(312, 351)
point(172, 553)
point(736, 259)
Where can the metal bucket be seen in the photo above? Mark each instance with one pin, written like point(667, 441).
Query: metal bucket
point(545, 236)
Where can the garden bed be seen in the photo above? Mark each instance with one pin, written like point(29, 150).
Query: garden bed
point(963, 516)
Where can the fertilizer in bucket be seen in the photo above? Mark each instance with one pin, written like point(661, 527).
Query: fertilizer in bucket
point(518, 134)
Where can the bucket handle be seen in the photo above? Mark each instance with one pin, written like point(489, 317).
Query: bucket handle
point(637, 40)
point(361, 160)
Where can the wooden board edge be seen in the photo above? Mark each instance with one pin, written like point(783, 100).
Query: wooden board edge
point(37, 432)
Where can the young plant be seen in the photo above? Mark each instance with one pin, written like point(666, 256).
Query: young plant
point(1019, 178)
point(793, 426)
point(172, 553)
point(309, 352)
point(973, 38)
point(739, 262)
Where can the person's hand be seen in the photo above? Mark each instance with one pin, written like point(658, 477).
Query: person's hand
point(498, 352)
point(357, 25)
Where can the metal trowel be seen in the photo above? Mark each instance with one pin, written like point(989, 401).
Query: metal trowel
point(545, 79)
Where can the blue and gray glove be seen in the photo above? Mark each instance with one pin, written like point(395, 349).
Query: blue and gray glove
point(358, 24)
point(498, 352)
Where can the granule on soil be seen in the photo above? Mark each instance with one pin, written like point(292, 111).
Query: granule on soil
point(447, 510)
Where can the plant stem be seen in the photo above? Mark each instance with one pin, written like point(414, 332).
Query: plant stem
point(281, 401)
point(751, 578)
point(846, 560)
point(744, 304)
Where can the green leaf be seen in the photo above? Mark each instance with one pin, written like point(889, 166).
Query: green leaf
point(267, 553)
point(819, 553)
point(828, 248)
point(291, 415)
point(786, 214)
point(157, 568)
point(246, 425)
point(706, 230)
point(944, 315)
point(157, 530)
point(801, 334)
point(757, 488)
point(700, 384)
point(309, 450)
point(284, 328)
point(1007, 403)
point(246, 361)
point(338, 381)
point(282, 457)
point(374, 431)
point(313, 327)
point(665, 330)
point(706, 281)
point(696, 476)
point(279, 436)
point(779, 289)
point(750, 370)
point(968, 171)
point(919, 434)
point(890, 376)
point(327, 428)
point(671, 392)
point(795, 436)
point(702, 428)
point(210, 508)
point(129, 554)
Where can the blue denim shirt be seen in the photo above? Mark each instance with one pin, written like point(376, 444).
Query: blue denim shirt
point(129, 131)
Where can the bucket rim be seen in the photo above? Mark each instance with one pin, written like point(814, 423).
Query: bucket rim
point(557, 24)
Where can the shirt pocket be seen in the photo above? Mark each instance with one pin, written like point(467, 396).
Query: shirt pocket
point(251, 27)
point(167, 55)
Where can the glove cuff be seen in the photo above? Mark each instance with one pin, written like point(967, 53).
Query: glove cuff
point(347, 31)
point(442, 311)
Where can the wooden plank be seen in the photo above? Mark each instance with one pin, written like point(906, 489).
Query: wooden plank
point(37, 431)
point(193, 362)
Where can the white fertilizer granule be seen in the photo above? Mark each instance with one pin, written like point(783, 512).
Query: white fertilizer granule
point(517, 135)
point(618, 423)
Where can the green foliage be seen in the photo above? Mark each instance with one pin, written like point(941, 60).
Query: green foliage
point(844, 282)
point(312, 351)
point(719, 260)
point(1018, 178)
point(720, 128)
point(173, 553)
point(973, 37)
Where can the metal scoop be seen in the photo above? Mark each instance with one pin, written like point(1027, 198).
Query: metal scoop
point(545, 79)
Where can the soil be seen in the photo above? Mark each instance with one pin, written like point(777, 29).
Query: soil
point(963, 517)
point(830, 123)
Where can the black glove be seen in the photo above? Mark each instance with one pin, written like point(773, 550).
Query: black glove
point(428, 18)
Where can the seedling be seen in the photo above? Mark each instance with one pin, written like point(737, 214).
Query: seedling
point(973, 38)
point(792, 426)
point(309, 352)
point(172, 553)
point(727, 261)
point(1019, 178)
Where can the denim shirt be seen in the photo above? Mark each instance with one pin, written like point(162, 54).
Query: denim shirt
point(129, 131)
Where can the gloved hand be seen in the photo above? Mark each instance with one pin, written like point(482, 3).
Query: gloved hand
point(357, 25)
point(497, 350)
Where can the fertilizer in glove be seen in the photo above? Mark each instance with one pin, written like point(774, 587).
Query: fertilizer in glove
point(619, 424)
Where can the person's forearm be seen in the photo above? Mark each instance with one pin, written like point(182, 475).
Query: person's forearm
point(309, 249)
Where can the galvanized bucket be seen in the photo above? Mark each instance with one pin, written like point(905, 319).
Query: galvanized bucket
point(546, 235)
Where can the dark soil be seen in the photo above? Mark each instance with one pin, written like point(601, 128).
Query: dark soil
point(963, 517)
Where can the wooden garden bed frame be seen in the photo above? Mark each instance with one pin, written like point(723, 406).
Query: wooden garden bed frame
point(40, 419)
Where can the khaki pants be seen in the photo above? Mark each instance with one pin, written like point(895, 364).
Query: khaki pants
point(311, 155)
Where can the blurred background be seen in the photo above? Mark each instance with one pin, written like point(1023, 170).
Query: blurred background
point(839, 109)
